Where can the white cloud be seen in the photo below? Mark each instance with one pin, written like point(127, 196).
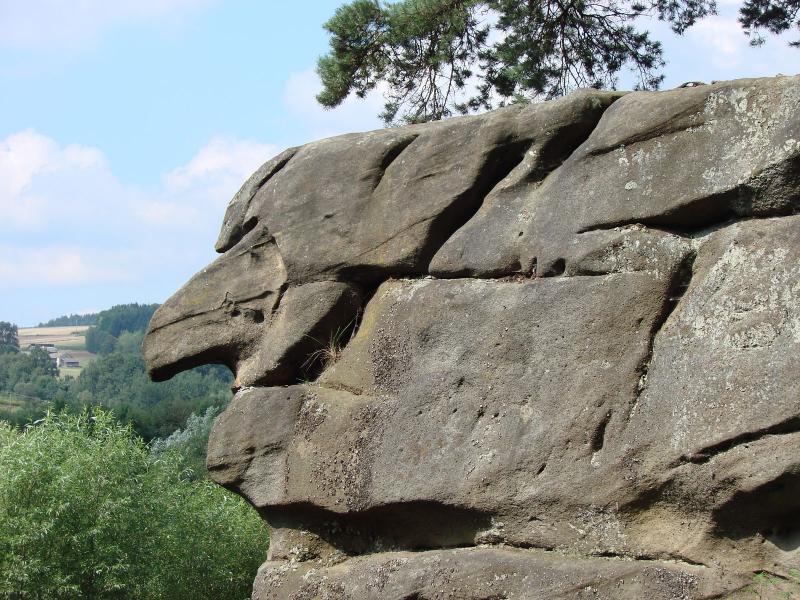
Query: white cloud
point(723, 38)
point(221, 158)
point(354, 114)
point(36, 23)
point(52, 266)
point(26, 156)
point(68, 219)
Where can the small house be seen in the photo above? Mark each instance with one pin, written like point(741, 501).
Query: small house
point(65, 359)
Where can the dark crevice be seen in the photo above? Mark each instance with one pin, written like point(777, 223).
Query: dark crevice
point(392, 154)
point(504, 159)
point(773, 192)
point(666, 127)
point(686, 220)
point(277, 304)
point(408, 526)
point(599, 434)
point(298, 361)
point(555, 269)
point(418, 526)
point(680, 282)
point(500, 161)
point(768, 511)
point(247, 227)
point(323, 352)
point(787, 426)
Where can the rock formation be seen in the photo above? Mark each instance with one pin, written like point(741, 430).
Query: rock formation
point(550, 351)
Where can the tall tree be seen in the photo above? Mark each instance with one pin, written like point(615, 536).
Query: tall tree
point(9, 337)
point(441, 57)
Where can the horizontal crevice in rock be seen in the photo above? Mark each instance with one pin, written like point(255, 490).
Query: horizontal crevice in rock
point(716, 211)
point(406, 526)
point(787, 426)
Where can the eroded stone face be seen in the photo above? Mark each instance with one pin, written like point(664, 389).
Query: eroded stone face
point(561, 338)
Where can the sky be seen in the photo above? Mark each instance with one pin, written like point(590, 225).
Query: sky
point(127, 126)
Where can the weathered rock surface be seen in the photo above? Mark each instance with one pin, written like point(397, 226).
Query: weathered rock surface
point(545, 352)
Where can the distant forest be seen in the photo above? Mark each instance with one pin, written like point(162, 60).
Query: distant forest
point(68, 320)
point(116, 380)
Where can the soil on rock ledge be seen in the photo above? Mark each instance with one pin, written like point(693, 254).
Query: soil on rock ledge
point(550, 351)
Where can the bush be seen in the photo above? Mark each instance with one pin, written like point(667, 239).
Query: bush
point(190, 443)
point(86, 511)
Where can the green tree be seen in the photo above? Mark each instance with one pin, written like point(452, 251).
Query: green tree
point(42, 362)
point(65, 320)
point(430, 52)
point(86, 511)
point(774, 16)
point(191, 442)
point(112, 323)
point(9, 337)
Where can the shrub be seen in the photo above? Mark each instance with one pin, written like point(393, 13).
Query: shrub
point(86, 511)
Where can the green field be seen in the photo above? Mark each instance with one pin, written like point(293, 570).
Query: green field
point(79, 343)
point(10, 403)
point(69, 338)
point(69, 371)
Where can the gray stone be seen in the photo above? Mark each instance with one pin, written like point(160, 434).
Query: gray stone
point(486, 573)
point(220, 313)
point(382, 203)
point(545, 352)
point(306, 327)
point(234, 226)
point(684, 159)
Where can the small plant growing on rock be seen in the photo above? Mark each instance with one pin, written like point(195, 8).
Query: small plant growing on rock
point(331, 349)
point(770, 586)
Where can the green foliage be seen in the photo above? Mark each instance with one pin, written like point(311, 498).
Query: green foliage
point(9, 337)
point(774, 16)
point(440, 57)
point(191, 442)
point(86, 511)
point(30, 378)
point(99, 341)
point(117, 380)
point(770, 586)
point(66, 320)
point(102, 337)
point(129, 342)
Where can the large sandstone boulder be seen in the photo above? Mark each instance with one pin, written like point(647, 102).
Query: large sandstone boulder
point(551, 351)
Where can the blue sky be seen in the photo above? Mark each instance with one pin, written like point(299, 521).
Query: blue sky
point(126, 126)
